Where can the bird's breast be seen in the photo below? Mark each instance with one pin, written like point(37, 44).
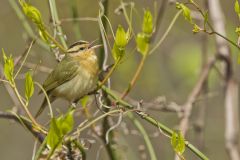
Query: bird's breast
point(83, 83)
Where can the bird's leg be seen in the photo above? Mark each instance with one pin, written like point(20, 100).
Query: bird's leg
point(74, 105)
point(95, 92)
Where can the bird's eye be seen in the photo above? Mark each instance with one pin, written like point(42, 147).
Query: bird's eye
point(81, 48)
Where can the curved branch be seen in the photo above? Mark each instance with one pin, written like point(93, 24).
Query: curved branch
point(24, 122)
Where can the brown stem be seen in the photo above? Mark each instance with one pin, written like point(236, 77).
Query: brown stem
point(231, 87)
point(187, 107)
point(38, 126)
point(134, 79)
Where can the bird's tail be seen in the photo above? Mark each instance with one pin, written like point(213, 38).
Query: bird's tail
point(43, 106)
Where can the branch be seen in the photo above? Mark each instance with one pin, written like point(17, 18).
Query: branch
point(26, 25)
point(159, 18)
point(158, 104)
point(144, 134)
point(163, 129)
point(166, 32)
point(9, 89)
point(199, 125)
point(103, 57)
point(135, 77)
point(56, 23)
point(75, 15)
point(24, 122)
point(187, 107)
point(231, 90)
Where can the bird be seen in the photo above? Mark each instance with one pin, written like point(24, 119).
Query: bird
point(75, 76)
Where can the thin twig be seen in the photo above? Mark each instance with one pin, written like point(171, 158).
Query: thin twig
point(145, 135)
point(25, 58)
point(74, 11)
point(153, 121)
point(166, 32)
point(27, 110)
point(187, 107)
point(26, 25)
point(47, 98)
point(26, 123)
point(102, 21)
point(134, 79)
point(129, 22)
point(9, 88)
point(79, 130)
point(78, 19)
point(159, 18)
point(55, 19)
point(213, 31)
point(108, 74)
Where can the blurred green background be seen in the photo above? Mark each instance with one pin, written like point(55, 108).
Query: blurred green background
point(171, 71)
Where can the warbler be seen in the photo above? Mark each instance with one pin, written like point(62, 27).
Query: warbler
point(75, 76)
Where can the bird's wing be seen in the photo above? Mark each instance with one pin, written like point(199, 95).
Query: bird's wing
point(64, 71)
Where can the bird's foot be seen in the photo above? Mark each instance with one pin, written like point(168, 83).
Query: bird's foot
point(74, 105)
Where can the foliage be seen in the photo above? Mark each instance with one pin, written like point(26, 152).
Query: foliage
point(143, 38)
point(59, 127)
point(186, 11)
point(61, 132)
point(29, 86)
point(178, 142)
point(120, 43)
point(237, 8)
point(35, 16)
point(8, 67)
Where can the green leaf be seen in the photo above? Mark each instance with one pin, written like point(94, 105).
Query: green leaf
point(205, 19)
point(118, 52)
point(186, 11)
point(178, 5)
point(178, 142)
point(237, 8)
point(65, 123)
point(8, 67)
point(54, 136)
point(121, 40)
point(237, 30)
point(59, 128)
point(33, 13)
point(142, 43)
point(29, 86)
point(147, 26)
point(121, 37)
point(43, 35)
point(174, 140)
point(196, 28)
point(4, 56)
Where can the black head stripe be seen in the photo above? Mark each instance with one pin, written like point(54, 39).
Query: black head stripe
point(78, 43)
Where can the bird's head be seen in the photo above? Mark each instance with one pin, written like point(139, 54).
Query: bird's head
point(82, 48)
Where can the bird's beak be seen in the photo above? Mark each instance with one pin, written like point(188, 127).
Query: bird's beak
point(96, 46)
point(92, 46)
